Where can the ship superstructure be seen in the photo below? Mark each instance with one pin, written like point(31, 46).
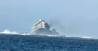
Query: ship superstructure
point(42, 27)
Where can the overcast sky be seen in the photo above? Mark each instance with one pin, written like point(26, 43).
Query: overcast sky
point(69, 17)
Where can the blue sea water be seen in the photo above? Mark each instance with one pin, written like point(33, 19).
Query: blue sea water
point(44, 43)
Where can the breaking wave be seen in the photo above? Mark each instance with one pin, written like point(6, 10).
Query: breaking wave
point(83, 36)
point(6, 31)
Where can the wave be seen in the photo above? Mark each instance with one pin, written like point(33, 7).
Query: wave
point(83, 36)
point(6, 31)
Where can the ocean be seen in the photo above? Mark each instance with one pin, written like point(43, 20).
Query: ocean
point(45, 43)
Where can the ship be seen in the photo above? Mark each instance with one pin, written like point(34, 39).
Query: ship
point(42, 27)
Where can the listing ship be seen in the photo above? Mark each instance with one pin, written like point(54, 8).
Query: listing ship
point(42, 27)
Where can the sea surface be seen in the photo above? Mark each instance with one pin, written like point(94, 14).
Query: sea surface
point(45, 43)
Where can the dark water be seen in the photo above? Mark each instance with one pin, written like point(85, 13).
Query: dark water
point(42, 43)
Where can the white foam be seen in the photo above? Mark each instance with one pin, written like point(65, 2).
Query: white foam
point(82, 36)
point(6, 31)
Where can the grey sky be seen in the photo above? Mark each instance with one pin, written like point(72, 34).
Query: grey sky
point(70, 17)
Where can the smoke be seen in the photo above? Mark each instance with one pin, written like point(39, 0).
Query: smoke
point(82, 27)
point(6, 31)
